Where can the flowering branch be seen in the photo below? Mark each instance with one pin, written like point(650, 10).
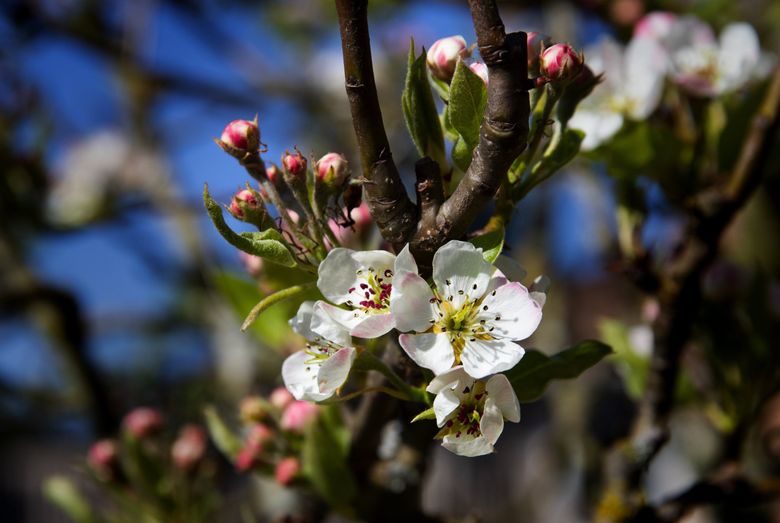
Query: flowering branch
point(680, 289)
point(503, 133)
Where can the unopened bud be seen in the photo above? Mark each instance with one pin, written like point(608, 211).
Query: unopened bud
point(247, 206)
point(259, 434)
point(443, 56)
point(536, 43)
point(480, 69)
point(142, 422)
point(274, 175)
point(253, 409)
point(332, 170)
point(103, 459)
point(281, 398)
point(189, 447)
point(247, 458)
point(297, 416)
point(294, 164)
point(240, 137)
point(560, 63)
point(286, 470)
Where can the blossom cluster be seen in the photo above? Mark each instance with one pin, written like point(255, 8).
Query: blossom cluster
point(463, 327)
point(682, 49)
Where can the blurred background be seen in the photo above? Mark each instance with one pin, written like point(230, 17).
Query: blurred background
point(116, 291)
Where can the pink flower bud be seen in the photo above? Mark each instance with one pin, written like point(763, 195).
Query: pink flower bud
point(142, 422)
point(560, 63)
point(536, 42)
point(274, 175)
point(247, 457)
point(189, 447)
point(286, 470)
point(443, 56)
point(297, 416)
point(259, 434)
point(252, 409)
point(281, 398)
point(657, 25)
point(294, 164)
point(481, 70)
point(247, 206)
point(332, 170)
point(103, 459)
point(241, 135)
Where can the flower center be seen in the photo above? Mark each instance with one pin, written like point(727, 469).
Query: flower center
point(462, 323)
point(372, 291)
point(465, 419)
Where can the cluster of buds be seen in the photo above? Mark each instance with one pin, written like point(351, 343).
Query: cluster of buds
point(247, 206)
point(272, 426)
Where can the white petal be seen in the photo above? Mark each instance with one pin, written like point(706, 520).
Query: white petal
point(690, 31)
point(462, 265)
point(598, 126)
point(445, 404)
point(410, 302)
point(404, 262)
point(300, 377)
point(374, 326)
point(501, 392)
point(739, 54)
point(301, 323)
point(338, 271)
point(469, 447)
point(482, 358)
point(432, 351)
point(491, 424)
point(511, 312)
point(646, 65)
point(332, 323)
point(334, 371)
point(452, 379)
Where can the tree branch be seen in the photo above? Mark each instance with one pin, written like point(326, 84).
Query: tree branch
point(680, 292)
point(503, 133)
point(394, 212)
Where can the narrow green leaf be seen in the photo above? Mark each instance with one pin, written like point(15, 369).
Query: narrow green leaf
point(535, 371)
point(273, 299)
point(419, 109)
point(268, 244)
point(561, 153)
point(491, 243)
point(324, 459)
point(225, 439)
point(63, 492)
point(468, 97)
point(461, 154)
point(426, 414)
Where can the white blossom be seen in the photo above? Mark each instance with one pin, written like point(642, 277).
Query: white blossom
point(472, 317)
point(631, 88)
point(471, 412)
point(315, 373)
point(362, 283)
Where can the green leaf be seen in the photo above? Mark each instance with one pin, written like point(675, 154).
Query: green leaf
point(491, 243)
point(63, 492)
point(468, 97)
point(559, 154)
point(225, 439)
point(426, 414)
point(273, 299)
point(268, 244)
point(535, 371)
point(461, 154)
point(419, 109)
point(324, 458)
